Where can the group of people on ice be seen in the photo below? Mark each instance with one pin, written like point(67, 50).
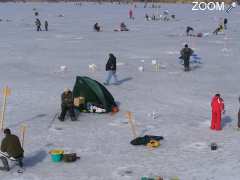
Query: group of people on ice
point(221, 27)
point(39, 24)
point(122, 27)
point(67, 100)
point(187, 53)
point(11, 148)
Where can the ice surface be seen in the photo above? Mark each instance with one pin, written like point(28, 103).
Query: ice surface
point(30, 63)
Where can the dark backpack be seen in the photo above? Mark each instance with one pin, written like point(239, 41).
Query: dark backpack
point(145, 139)
point(70, 157)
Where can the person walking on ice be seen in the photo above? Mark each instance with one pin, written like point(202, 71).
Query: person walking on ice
point(111, 68)
point(186, 52)
point(225, 21)
point(38, 24)
point(217, 105)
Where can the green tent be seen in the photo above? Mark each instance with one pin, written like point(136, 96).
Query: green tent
point(93, 92)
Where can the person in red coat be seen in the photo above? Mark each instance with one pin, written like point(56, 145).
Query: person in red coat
point(217, 105)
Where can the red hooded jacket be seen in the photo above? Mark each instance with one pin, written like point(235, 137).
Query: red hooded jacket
point(217, 104)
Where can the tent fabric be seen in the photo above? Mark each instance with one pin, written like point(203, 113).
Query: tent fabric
point(93, 92)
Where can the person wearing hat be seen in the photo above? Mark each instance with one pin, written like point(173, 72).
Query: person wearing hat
point(217, 105)
point(186, 52)
point(67, 105)
point(12, 148)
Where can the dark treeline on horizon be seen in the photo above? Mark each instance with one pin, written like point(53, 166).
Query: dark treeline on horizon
point(121, 1)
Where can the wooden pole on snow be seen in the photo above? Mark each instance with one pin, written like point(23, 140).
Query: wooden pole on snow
point(6, 93)
point(23, 130)
point(132, 124)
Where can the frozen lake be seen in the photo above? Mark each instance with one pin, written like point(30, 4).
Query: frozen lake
point(30, 62)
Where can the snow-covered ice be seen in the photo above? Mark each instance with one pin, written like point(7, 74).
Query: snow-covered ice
point(30, 64)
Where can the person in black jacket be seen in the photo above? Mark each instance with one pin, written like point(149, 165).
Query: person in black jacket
point(96, 27)
point(11, 147)
point(188, 30)
point(225, 21)
point(67, 105)
point(38, 24)
point(111, 67)
point(186, 52)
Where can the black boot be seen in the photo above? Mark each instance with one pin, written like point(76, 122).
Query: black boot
point(73, 118)
point(20, 162)
point(60, 118)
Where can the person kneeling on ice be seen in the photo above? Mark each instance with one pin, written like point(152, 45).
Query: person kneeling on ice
point(217, 105)
point(186, 52)
point(67, 105)
point(96, 27)
point(219, 29)
point(123, 27)
point(111, 67)
point(11, 149)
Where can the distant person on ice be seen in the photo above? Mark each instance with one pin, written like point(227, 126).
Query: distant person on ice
point(67, 105)
point(186, 52)
point(130, 13)
point(239, 114)
point(188, 30)
point(111, 68)
point(217, 105)
point(96, 27)
point(147, 17)
point(123, 27)
point(38, 24)
point(46, 25)
point(225, 21)
point(219, 29)
point(11, 146)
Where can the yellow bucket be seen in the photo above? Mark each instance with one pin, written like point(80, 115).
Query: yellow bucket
point(56, 155)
